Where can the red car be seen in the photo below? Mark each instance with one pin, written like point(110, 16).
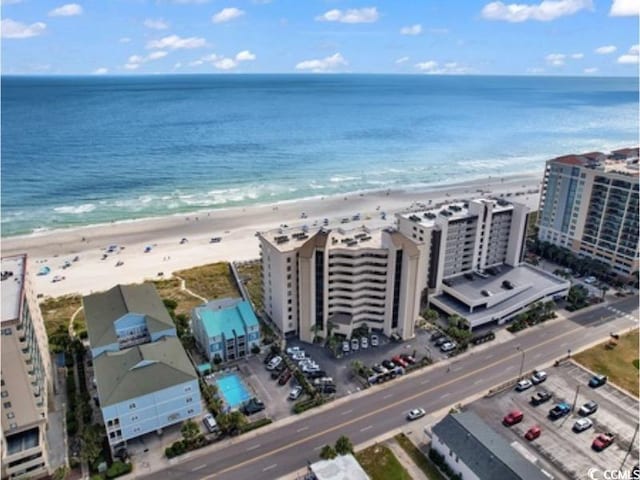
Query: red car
point(533, 433)
point(512, 418)
point(399, 361)
point(602, 441)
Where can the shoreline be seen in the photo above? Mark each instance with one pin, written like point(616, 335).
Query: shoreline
point(235, 225)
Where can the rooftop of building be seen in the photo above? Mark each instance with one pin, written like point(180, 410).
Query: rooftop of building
point(508, 287)
point(227, 317)
point(13, 276)
point(343, 467)
point(484, 451)
point(455, 210)
point(141, 370)
point(104, 308)
point(623, 161)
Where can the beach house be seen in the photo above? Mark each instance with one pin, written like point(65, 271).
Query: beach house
point(226, 329)
point(26, 376)
point(144, 377)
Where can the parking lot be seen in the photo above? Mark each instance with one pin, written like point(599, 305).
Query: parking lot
point(568, 451)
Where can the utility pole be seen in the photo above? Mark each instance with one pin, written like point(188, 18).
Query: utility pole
point(575, 399)
point(633, 441)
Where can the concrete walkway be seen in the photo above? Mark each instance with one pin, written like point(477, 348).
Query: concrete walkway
point(414, 471)
point(183, 287)
point(73, 317)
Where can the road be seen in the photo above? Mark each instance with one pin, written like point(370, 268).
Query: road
point(284, 449)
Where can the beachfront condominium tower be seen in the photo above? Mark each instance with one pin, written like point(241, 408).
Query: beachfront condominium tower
point(589, 204)
point(26, 376)
point(321, 280)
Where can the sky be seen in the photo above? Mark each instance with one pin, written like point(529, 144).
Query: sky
point(131, 37)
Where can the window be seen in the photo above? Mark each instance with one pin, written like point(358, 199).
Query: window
point(7, 404)
point(134, 418)
point(4, 394)
point(189, 399)
point(132, 405)
point(187, 389)
point(190, 411)
point(288, 259)
point(11, 415)
point(6, 331)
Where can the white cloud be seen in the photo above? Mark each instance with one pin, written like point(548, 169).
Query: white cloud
point(177, 65)
point(327, 64)
point(156, 24)
point(174, 42)
point(68, 10)
point(156, 55)
point(124, 40)
point(556, 59)
point(411, 30)
point(352, 15)
point(245, 55)
point(227, 14)
point(577, 56)
point(630, 57)
point(12, 29)
point(606, 49)
point(226, 64)
point(101, 71)
point(590, 70)
point(439, 31)
point(434, 68)
point(134, 61)
point(402, 60)
point(131, 66)
point(624, 8)
point(545, 11)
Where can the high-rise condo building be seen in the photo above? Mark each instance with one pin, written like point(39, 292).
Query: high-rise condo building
point(26, 376)
point(589, 204)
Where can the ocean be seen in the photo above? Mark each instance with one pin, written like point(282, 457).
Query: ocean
point(86, 150)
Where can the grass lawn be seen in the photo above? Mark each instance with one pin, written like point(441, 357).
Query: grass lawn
point(418, 457)
point(57, 312)
point(619, 363)
point(170, 289)
point(250, 274)
point(381, 464)
point(210, 281)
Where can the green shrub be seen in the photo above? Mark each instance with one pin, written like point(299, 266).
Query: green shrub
point(255, 349)
point(254, 425)
point(97, 476)
point(304, 405)
point(118, 468)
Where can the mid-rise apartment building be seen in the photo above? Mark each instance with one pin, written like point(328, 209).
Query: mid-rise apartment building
point(26, 375)
point(340, 279)
point(144, 377)
point(589, 204)
point(226, 328)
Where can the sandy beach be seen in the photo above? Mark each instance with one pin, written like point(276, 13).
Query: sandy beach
point(235, 226)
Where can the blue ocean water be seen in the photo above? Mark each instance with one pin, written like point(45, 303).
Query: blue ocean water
point(85, 150)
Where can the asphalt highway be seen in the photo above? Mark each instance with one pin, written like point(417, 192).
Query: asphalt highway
point(281, 450)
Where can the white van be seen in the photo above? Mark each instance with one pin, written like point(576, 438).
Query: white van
point(275, 361)
point(210, 422)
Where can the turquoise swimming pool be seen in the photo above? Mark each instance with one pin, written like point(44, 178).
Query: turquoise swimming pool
point(233, 390)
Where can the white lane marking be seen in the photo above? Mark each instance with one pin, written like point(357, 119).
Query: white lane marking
point(302, 429)
point(457, 369)
point(537, 355)
point(424, 382)
point(366, 428)
point(388, 395)
point(477, 382)
point(564, 344)
point(199, 468)
point(269, 467)
point(446, 395)
point(253, 447)
point(346, 412)
point(491, 355)
point(318, 447)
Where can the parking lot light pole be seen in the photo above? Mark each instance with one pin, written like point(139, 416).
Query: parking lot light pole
point(521, 363)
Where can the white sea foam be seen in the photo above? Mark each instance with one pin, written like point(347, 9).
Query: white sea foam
point(75, 209)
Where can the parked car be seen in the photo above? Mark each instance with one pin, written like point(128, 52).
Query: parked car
point(355, 344)
point(364, 342)
point(523, 385)
point(441, 341)
point(582, 424)
point(210, 422)
point(316, 374)
point(588, 408)
point(310, 368)
point(379, 368)
point(345, 347)
point(388, 364)
point(416, 413)
point(374, 341)
point(436, 335)
point(540, 397)
point(321, 380)
point(275, 361)
point(328, 388)
point(538, 377)
point(276, 372)
point(294, 350)
point(597, 381)
point(533, 433)
point(408, 358)
point(590, 280)
point(602, 441)
point(285, 377)
point(512, 418)
point(399, 361)
point(560, 410)
point(298, 356)
point(270, 356)
point(449, 346)
point(253, 406)
point(295, 393)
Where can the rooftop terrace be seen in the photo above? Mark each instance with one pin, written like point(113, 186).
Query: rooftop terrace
point(13, 271)
point(455, 210)
point(623, 161)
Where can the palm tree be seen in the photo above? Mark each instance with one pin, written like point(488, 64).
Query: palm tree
point(328, 452)
point(344, 445)
point(356, 367)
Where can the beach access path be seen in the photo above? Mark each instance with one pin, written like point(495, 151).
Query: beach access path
point(236, 226)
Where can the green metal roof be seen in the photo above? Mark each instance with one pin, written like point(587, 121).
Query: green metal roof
point(141, 370)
